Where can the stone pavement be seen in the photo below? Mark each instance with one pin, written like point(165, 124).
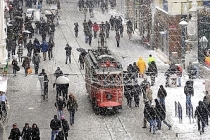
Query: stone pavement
point(25, 97)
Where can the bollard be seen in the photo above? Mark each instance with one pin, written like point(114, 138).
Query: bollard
point(176, 112)
point(180, 112)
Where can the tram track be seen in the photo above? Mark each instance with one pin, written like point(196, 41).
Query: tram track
point(108, 124)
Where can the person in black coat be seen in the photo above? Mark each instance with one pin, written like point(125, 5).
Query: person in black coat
point(189, 92)
point(55, 124)
point(60, 104)
point(136, 93)
point(201, 114)
point(152, 118)
point(162, 94)
point(152, 72)
point(161, 114)
point(35, 134)
point(65, 126)
point(26, 133)
point(14, 133)
point(128, 94)
point(146, 114)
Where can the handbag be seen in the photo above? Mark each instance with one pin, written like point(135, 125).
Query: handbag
point(29, 70)
point(16, 67)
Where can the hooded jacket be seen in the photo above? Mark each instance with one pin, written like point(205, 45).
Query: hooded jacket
point(141, 65)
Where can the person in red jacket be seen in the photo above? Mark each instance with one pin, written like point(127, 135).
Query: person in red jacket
point(95, 29)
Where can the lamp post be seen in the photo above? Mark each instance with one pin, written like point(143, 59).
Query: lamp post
point(183, 25)
point(85, 11)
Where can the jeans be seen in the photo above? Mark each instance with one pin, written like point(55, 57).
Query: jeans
point(72, 112)
point(53, 133)
point(36, 67)
point(60, 113)
point(50, 54)
point(159, 124)
point(14, 71)
point(162, 101)
point(188, 100)
point(201, 122)
point(153, 125)
point(68, 57)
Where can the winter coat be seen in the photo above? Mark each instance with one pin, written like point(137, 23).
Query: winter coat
point(68, 50)
point(150, 59)
point(81, 58)
point(55, 124)
point(72, 104)
point(26, 63)
point(152, 113)
point(200, 112)
point(36, 58)
point(188, 89)
point(60, 104)
point(149, 94)
point(14, 62)
point(65, 125)
point(29, 46)
point(160, 110)
point(146, 111)
point(144, 85)
point(152, 69)
point(20, 51)
point(141, 65)
point(44, 47)
point(26, 133)
point(35, 134)
point(14, 134)
point(128, 92)
point(161, 93)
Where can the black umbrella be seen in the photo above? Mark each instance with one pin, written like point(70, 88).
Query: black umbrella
point(81, 50)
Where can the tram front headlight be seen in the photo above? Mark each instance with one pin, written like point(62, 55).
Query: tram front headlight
point(109, 96)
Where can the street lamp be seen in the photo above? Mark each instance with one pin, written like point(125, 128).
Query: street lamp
point(85, 11)
point(183, 25)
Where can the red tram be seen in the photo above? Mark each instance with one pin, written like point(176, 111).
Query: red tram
point(104, 80)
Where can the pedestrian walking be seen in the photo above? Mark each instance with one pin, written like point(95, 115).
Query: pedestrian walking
point(68, 49)
point(142, 66)
point(162, 95)
point(90, 36)
point(95, 29)
point(146, 114)
point(144, 84)
point(44, 49)
point(128, 95)
point(152, 119)
point(13, 47)
point(161, 114)
point(65, 126)
point(201, 114)
point(26, 65)
point(36, 45)
point(36, 60)
point(60, 104)
point(136, 91)
point(50, 50)
point(102, 37)
point(26, 133)
point(14, 133)
point(55, 125)
point(35, 134)
point(149, 94)
point(82, 60)
point(72, 106)
point(20, 52)
point(189, 92)
point(152, 72)
point(117, 37)
point(15, 66)
point(29, 47)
